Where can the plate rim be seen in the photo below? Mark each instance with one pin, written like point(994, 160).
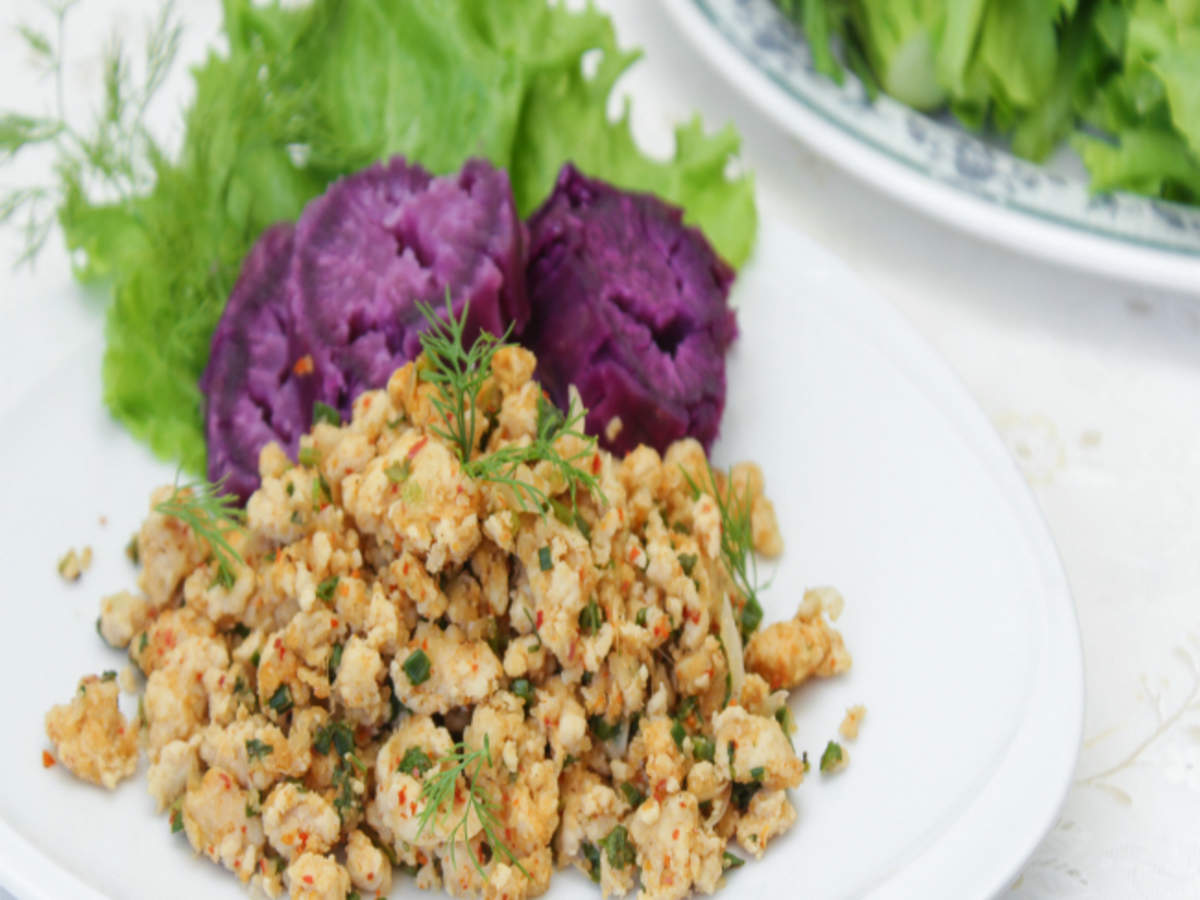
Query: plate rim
point(1058, 694)
point(989, 861)
point(993, 222)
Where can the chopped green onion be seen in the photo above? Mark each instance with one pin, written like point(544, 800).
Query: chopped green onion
point(832, 757)
point(256, 749)
point(323, 412)
point(633, 796)
point(523, 688)
point(592, 617)
point(281, 700)
point(703, 748)
point(415, 760)
point(688, 562)
point(326, 588)
point(416, 667)
point(308, 456)
point(398, 473)
point(544, 559)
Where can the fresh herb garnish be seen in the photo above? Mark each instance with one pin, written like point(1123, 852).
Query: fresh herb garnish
point(256, 749)
point(737, 545)
point(523, 688)
point(176, 819)
point(703, 748)
point(729, 861)
point(415, 762)
point(640, 618)
point(398, 473)
point(633, 796)
point(458, 373)
point(441, 790)
point(108, 675)
point(337, 735)
point(416, 667)
point(678, 733)
point(832, 758)
point(757, 773)
point(323, 412)
point(688, 562)
point(602, 728)
point(592, 854)
point(545, 562)
point(618, 849)
point(335, 660)
point(326, 588)
point(281, 700)
point(211, 514)
point(309, 457)
point(592, 617)
point(743, 792)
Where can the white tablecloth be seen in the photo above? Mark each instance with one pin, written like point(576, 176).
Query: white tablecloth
point(1094, 385)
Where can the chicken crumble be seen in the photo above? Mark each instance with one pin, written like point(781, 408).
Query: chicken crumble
point(388, 614)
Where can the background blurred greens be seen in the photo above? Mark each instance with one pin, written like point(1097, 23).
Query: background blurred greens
point(1119, 78)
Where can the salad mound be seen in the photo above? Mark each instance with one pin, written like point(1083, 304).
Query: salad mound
point(400, 662)
point(629, 305)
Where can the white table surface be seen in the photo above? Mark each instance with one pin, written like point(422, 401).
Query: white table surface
point(1094, 385)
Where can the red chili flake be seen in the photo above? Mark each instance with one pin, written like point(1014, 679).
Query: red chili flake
point(307, 879)
point(237, 863)
point(262, 865)
point(402, 795)
point(412, 808)
point(596, 464)
point(47, 759)
point(540, 618)
point(675, 835)
point(304, 365)
point(333, 623)
point(225, 781)
point(367, 401)
point(416, 448)
point(344, 589)
point(370, 876)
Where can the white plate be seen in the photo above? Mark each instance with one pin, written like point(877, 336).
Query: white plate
point(940, 168)
point(889, 484)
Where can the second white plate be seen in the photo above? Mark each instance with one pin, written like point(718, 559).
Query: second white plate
point(940, 168)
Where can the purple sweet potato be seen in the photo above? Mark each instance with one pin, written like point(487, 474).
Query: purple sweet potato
point(630, 306)
point(253, 395)
point(327, 309)
point(382, 239)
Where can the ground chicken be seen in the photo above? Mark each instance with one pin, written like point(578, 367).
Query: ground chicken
point(91, 737)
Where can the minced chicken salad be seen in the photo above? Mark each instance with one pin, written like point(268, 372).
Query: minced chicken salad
point(460, 640)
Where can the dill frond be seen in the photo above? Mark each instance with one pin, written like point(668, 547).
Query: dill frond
point(117, 155)
point(210, 514)
point(737, 544)
point(438, 792)
point(459, 372)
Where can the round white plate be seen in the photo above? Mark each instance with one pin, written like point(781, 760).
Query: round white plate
point(889, 484)
point(937, 167)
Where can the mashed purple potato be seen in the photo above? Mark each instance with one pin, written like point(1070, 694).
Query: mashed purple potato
point(630, 306)
point(328, 309)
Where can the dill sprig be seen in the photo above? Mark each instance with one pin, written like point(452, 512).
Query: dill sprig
point(737, 544)
point(117, 155)
point(439, 791)
point(501, 466)
point(459, 372)
point(210, 514)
